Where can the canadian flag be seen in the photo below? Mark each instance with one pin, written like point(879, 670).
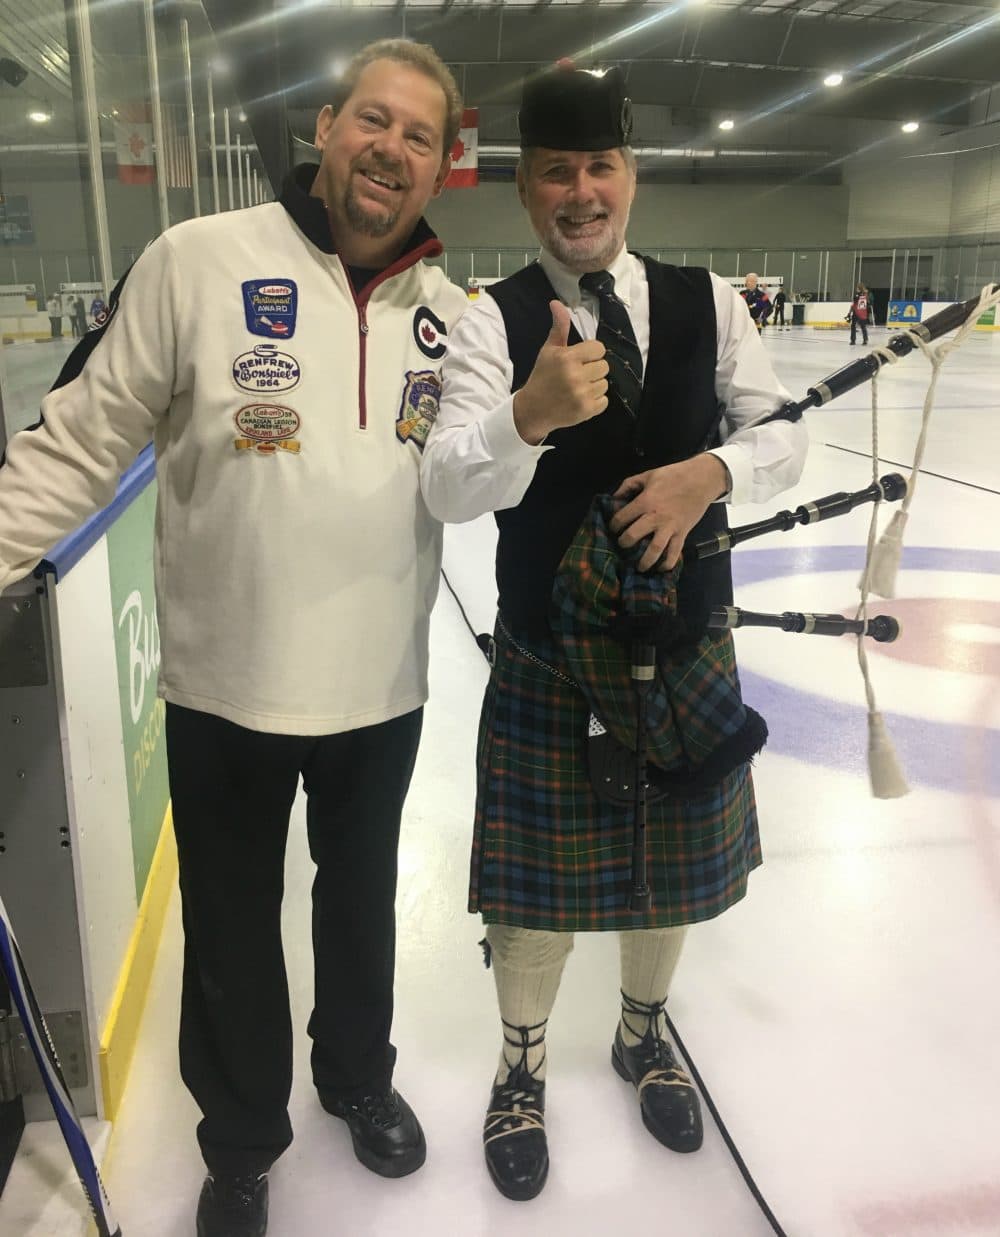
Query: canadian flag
point(465, 153)
point(134, 145)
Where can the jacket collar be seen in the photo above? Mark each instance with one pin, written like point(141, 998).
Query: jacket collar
point(310, 217)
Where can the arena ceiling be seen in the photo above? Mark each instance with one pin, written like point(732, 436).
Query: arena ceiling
point(689, 66)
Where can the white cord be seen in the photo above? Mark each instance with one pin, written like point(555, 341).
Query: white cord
point(882, 559)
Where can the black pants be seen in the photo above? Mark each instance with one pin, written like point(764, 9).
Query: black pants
point(232, 791)
point(779, 315)
point(855, 323)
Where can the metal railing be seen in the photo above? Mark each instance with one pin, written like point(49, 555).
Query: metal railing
point(938, 273)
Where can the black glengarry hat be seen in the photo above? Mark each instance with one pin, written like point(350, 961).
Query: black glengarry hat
point(567, 108)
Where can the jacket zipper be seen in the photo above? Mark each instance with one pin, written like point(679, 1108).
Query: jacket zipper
point(362, 364)
point(429, 248)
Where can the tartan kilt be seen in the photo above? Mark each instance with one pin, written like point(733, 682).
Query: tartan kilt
point(548, 854)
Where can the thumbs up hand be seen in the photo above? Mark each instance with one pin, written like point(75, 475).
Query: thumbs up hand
point(568, 384)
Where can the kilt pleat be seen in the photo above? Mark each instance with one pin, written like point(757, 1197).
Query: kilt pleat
point(548, 854)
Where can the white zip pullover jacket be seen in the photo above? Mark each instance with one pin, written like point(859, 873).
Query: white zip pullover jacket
point(296, 562)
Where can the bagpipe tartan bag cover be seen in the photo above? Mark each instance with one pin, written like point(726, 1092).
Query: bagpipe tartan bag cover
point(697, 727)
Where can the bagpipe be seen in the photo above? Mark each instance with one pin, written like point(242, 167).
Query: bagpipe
point(881, 561)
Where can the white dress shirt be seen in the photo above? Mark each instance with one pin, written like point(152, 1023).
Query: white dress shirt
point(475, 460)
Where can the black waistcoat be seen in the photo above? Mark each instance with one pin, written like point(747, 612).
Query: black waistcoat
point(679, 417)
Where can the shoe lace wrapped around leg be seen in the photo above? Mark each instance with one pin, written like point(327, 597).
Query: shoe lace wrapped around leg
point(661, 1067)
point(515, 1104)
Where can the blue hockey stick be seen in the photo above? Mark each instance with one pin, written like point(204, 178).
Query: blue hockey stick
point(48, 1066)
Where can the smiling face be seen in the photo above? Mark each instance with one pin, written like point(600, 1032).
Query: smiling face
point(579, 203)
point(383, 160)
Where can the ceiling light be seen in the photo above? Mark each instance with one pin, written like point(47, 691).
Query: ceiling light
point(911, 126)
point(726, 124)
point(338, 66)
point(833, 79)
point(39, 117)
point(243, 118)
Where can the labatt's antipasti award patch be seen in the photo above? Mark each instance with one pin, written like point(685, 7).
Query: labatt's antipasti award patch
point(267, 429)
point(271, 306)
point(419, 408)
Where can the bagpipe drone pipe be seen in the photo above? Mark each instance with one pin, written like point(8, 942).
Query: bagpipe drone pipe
point(883, 628)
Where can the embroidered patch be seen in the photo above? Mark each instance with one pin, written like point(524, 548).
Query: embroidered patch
point(419, 408)
point(430, 333)
point(266, 369)
point(271, 306)
point(267, 429)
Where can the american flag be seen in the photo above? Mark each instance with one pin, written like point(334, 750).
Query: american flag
point(176, 153)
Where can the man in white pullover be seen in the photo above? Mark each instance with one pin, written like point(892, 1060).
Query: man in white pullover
point(291, 535)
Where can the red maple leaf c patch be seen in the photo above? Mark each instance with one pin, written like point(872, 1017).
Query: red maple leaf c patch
point(427, 332)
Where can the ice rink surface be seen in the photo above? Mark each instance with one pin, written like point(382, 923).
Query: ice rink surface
point(845, 1016)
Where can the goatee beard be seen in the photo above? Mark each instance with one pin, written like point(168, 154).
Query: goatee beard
point(366, 223)
point(573, 253)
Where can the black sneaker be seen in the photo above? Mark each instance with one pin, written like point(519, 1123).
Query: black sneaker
point(233, 1206)
point(517, 1153)
point(668, 1101)
point(385, 1131)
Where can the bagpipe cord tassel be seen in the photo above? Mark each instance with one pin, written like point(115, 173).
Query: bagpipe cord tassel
point(887, 554)
point(884, 771)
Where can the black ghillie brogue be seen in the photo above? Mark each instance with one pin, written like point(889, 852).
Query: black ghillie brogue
point(384, 1129)
point(517, 1154)
point(233, 1205)
point(670, 1107)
